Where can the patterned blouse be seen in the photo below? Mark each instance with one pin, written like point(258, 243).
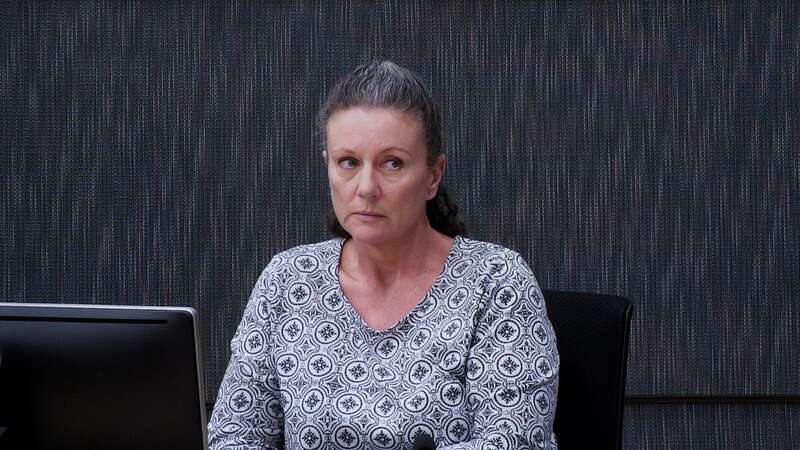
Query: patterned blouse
point(474, 365)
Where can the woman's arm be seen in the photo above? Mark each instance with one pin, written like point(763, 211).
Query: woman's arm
point(512, 367)
point(248, 414)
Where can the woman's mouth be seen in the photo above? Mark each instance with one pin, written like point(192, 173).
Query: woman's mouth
point(367, 215)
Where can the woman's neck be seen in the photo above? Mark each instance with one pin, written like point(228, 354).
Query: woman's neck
point(381, 265)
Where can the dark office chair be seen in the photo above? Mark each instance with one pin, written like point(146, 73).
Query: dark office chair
point(592, 333)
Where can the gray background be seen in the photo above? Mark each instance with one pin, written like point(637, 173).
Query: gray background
point(160, 154)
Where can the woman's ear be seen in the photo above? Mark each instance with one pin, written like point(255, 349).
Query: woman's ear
point(325, 155)
point(437, 172)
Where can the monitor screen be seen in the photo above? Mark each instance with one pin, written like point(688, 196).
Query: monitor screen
point(100, 377)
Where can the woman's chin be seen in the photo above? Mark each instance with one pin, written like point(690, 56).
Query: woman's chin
point(370, 234)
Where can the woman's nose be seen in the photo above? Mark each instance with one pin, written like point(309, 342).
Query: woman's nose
point(368, 185)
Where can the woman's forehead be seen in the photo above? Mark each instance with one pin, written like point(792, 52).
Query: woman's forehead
point(366, 115)
point(368, 128)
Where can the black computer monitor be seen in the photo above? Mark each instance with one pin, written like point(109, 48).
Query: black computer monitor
point(100, 377)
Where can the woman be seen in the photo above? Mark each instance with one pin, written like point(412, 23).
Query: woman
point(400, 327)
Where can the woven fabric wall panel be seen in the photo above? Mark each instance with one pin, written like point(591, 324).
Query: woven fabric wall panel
point(712, 427)
point(161, 153)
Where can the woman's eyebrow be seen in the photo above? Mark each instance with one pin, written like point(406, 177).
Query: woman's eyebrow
point(396, 148)
point(349, 151)
point(344, 150)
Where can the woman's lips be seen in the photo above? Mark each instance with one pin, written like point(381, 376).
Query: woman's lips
point(369, 217)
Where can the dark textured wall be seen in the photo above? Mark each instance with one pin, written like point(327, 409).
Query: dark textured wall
point(160, 153)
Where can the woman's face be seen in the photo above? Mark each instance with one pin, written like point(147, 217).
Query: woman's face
point(378, 173)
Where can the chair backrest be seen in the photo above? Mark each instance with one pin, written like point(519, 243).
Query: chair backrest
point(592, 333)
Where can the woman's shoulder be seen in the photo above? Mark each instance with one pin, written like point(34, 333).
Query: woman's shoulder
point(495, 259)
point(306, 257)
point(486, 250)
point(298, 264)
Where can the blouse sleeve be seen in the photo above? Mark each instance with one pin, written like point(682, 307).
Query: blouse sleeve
point(512, 367)
point(248, 414)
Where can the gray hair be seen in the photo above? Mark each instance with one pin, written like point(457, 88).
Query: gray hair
point(384, 84)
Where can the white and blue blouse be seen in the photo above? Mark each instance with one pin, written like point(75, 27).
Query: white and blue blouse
point(474, 365)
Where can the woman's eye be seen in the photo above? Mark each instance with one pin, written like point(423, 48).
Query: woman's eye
point(394, 163)
point(347, 163)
